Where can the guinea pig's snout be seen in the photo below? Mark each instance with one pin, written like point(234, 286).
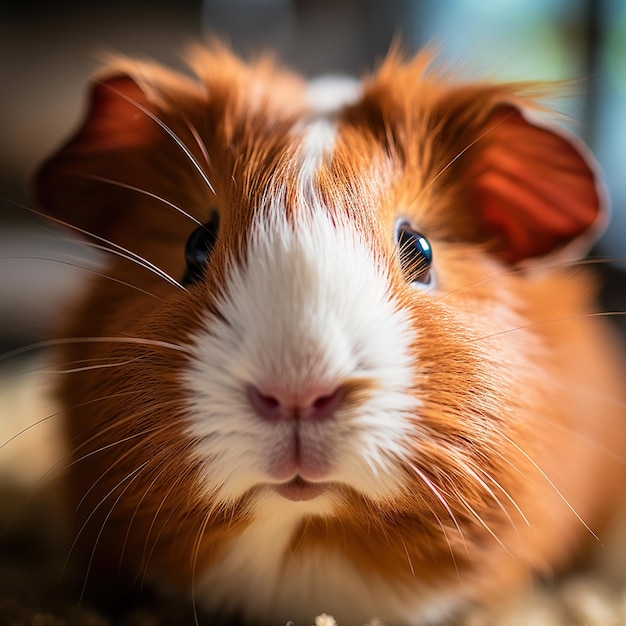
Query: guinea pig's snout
point(315, 403)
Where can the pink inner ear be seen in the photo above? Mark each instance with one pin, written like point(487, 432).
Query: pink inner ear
point(118, 117)
point(116, 132)
point(534, 189)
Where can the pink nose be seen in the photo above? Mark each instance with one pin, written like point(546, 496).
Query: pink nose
point(315, 404)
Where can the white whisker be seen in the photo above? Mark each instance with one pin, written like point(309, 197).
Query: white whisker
point(147, 556)
point(128, 255)
point(194, 564)
point(482, 522)
point(452, 161)
point(439, 497)
point(117, 442)
point(74, 340)
point(167, 129)
point(490, 491)
point(509, 498)
point(84, 268)
point(553, 320)
point(610, 454)
point(88, 368)
point(514, 271)
point(201, 145)
point(118, 460)
point(406, 551)
point(145, 192)
point(130, 477)
point(52, 415)
point(551, 483)
point(116, 249)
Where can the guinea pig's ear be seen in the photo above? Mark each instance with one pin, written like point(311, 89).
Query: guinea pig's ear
point(537, 188)
point(118, 130)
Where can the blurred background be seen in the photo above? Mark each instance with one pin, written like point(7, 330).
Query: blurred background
point(48, 49)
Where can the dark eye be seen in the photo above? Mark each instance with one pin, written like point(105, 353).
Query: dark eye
point(199, 247)
point(416, 255)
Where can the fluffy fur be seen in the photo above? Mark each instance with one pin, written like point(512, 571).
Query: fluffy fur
point(481, 425)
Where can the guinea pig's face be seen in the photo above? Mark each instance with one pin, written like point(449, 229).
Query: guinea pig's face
point(304, 349)
point(310, 324)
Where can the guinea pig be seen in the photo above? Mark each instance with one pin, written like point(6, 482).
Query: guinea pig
point(341, 358)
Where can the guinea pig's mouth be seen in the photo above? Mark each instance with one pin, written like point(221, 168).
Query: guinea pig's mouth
point(298, 489)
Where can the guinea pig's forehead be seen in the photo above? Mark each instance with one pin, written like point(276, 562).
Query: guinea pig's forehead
point(323, 159)
point(329, 169)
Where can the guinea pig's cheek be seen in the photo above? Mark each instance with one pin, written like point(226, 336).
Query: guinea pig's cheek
point(307, 373)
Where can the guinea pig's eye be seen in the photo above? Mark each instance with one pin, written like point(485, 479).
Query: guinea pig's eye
point(199, 247)
point(416, 256)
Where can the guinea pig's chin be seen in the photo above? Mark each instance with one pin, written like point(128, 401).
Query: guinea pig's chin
point(298, 489)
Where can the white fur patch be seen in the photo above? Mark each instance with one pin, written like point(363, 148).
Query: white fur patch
point(259, 576)
point(309, 302)
point(318, 143)
point(329, 94)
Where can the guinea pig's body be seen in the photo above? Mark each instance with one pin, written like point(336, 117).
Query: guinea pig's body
point(326, 370)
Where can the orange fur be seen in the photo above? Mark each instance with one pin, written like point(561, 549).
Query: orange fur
point(501, 382)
